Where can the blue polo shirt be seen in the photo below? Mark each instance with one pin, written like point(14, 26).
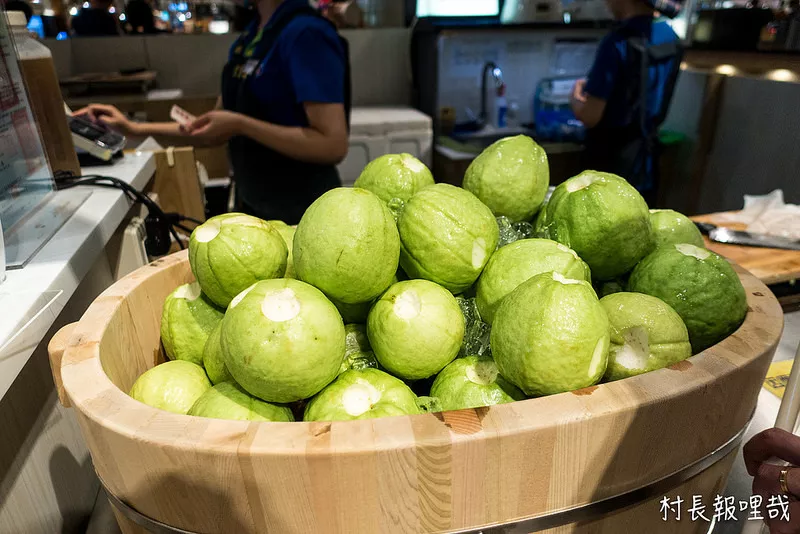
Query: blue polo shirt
point(306, 64)
point(606, 79)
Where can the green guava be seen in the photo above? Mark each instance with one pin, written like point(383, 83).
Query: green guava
point(673, 228)
point(551, 335)
point(172, 386)
point(353, 313)
point(429, 405)
point(362, 394)
point(229, 401)
point(602, 218)
point(347, 245)
point(415, 329)
point(447, 236)
point(213, 358)
point(472, 382)
point(287, 233)
point(357, 313)
point(187, 319)
point(395, 176)
point(231, 252)
point(511, 177)
point(520, 261)
point(609, 287)
point(282, 340)
point(646, 334)
point(698, 284)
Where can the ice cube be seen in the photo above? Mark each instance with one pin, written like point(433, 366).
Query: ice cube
point(477, 339)
point(476, 332)
point(507, 232)
point(468, 309)
point(524, 230)
point(396, 206)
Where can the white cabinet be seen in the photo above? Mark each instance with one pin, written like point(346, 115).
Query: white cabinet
point(378, 131)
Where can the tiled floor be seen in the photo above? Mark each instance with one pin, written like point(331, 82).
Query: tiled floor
point(103, 521)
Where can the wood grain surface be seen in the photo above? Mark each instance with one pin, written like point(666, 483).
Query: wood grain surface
point(55, 351)
point(646, 518)
point(770, 265)
point(426, 473)
point(178, 186)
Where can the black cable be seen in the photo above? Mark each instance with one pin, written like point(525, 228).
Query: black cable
point(157, 221)
point(127, 194)
point(184, 228)
point(119, 184)
point(100, 183)
point(131, 192)
point(177, 237)
point(178, 218)
point(190, 219)
point(158, 224)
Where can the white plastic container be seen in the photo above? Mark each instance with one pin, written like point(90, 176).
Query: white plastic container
point(378, 131)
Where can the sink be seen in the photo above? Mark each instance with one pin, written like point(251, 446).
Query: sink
point(455, 153)
point(476, 142)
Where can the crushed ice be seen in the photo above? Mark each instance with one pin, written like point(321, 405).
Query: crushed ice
point(476, 332)
point(396, 206)
point(511, 232)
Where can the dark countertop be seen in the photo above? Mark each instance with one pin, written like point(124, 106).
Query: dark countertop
point(452, 157)
point(467, 146)
point(754, 63)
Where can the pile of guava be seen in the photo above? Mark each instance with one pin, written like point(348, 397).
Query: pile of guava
point(401, 296)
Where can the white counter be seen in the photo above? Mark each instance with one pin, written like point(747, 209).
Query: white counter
point(62, 263)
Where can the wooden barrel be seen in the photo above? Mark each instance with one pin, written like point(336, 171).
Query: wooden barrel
point(596, 460)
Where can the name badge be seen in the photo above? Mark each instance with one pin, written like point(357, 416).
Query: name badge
point(250, 67)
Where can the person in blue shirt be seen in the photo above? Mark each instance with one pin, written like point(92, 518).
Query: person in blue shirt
point(283, 112)
point(626, 96)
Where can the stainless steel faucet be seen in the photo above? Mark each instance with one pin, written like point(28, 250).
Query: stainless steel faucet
point(497, 75)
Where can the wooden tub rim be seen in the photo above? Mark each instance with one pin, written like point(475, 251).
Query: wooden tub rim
point(553, 519)
point(104, 403)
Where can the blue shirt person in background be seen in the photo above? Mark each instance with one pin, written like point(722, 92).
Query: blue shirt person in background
point(283, 111)
point(626, 96)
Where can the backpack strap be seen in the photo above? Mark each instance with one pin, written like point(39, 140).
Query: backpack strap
point(659, 54)
point(642, 56)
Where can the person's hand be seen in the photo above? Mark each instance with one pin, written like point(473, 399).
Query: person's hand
point(579, 91)
point(775, 443)
point(110, 117)
point(215, 127)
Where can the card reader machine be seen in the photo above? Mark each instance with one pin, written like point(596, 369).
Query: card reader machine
point(95, 139)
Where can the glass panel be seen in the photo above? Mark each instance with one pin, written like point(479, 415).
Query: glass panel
point(25, 177)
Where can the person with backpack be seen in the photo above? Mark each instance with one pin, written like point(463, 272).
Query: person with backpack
point(627, 94)
point(284, 111)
